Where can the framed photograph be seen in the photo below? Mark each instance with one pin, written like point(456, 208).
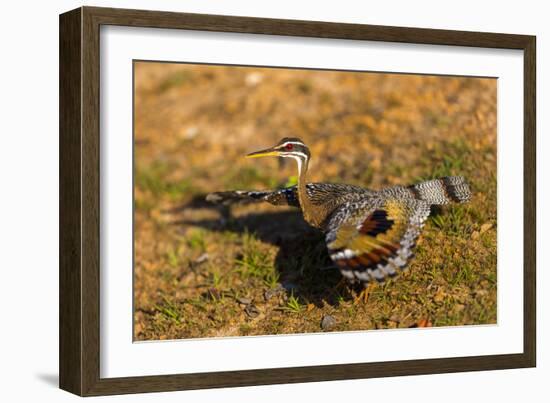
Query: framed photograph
point(249, 201)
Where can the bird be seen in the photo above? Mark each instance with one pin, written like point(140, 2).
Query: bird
point(370, 234)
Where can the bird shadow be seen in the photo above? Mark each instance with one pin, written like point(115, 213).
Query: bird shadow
point(302, 261)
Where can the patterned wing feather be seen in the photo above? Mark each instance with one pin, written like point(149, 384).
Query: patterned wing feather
point(281, 197)
point(319, 193)
point(374, 238)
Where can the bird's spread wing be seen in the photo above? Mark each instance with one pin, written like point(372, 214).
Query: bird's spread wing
point(373, 238)
point(280, 197)
point(319, 193)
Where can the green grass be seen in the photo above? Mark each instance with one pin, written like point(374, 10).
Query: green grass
point(173, 257)
point(153, 179)
point(292, 181)
point(175, 80)
point(248, 178)
point(196, 241)
point(169, 310)
point(254, 262)
point(293, 305)
point(454, 220)
point(448, 158)
point(271, 279)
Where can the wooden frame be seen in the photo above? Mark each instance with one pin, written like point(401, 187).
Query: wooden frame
point(79, 200)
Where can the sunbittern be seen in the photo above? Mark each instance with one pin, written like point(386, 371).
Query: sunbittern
point(369, 234)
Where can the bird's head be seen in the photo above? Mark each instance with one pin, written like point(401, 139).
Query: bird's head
point(288, 147)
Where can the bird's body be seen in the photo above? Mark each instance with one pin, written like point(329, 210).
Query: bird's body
point(370, 234)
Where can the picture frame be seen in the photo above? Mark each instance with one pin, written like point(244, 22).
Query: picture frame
point(80, 199)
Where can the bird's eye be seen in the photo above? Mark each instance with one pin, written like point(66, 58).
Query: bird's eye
point(289, 146)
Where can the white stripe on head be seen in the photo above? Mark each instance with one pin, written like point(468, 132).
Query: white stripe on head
point(299, 143)
point(300, 158)
point(295, 154)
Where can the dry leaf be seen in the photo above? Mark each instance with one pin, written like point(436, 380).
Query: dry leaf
point(485, 227)
point(424, 323)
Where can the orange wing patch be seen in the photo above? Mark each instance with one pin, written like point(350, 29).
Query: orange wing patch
point(376, 223)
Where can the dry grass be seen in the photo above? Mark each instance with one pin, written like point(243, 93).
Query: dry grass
point(202, 272)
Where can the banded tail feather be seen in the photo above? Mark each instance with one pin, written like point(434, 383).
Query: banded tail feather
point(443, 190)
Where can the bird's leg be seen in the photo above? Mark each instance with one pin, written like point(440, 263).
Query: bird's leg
point(341, 286)
point(364, 294)
point(342, 283)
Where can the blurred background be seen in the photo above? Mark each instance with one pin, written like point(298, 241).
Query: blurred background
point(202, 271)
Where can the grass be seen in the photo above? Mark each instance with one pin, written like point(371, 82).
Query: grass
point(453, 221)
point(293, 304)
point(174, 80)
point(196, 241)
point(169, 310)
point(256, 269)
point(153, 179)
point(254, 262)
point(243, 178)
point(173, 257)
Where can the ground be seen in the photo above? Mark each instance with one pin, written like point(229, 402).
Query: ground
point(202, 271)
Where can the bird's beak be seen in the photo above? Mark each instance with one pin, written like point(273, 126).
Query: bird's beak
point(268, 152)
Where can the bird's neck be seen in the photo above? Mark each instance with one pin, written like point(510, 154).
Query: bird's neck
point(312, 212)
